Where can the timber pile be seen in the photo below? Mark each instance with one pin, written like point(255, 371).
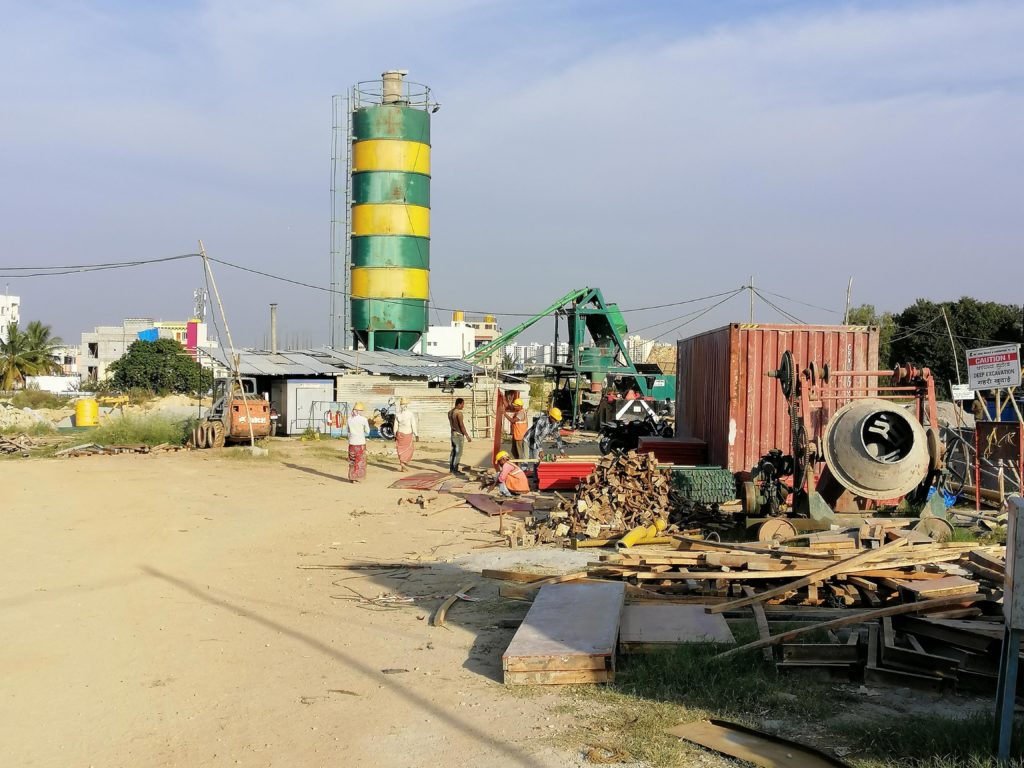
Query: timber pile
point(905, 568)
point(623, 492)
point(95, 449)
point(22, 444)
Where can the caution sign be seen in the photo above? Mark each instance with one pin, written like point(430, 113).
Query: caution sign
point(994, 367)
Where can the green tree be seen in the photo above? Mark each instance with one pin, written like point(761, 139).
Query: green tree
point(42, 348)
point(865, 314)
point(16, 358)
point(508, 362)
point(160, 366)
point(921, 338)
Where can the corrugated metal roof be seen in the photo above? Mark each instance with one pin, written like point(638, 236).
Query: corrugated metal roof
point(322, 361)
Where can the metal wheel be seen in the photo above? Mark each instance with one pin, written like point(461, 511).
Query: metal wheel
point(387, 431)
point(605, 445)
point(751, 498)
point(787, 374)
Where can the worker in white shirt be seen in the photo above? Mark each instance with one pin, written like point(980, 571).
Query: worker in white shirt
point(358, 429)
point(406, 432)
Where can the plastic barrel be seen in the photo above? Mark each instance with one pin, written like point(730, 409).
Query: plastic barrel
point(87, 412)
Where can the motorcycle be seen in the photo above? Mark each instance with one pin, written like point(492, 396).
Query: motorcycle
point(386, 416)
point(620, 437)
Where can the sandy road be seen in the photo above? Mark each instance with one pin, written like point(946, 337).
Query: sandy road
point(153, 612)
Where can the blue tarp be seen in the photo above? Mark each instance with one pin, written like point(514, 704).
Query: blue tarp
point(150, 334)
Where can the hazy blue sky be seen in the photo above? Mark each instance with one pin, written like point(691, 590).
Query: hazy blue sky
point(659, 150)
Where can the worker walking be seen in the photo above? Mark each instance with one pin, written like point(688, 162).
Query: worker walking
point(459, 435)
point(358, 429)
point(511, 479)
point(406, 431)
point(545, 427)
point(517, 427)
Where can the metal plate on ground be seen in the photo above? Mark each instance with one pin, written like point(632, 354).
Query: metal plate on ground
point(753, 746)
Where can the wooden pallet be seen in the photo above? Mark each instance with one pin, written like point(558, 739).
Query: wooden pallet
point(568, 636)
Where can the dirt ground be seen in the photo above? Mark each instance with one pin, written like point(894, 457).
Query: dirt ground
point(161, 611)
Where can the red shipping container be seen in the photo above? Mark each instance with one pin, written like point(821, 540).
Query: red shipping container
point(681, 451)
point(724, 397)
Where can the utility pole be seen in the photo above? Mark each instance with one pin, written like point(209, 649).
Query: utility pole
point(231, 346)
point(751, 287)
point(952, 346)
point(849, 291)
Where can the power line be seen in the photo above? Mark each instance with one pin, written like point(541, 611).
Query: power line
point(786, 315)
point(718, 303)
point(797, 301)
point(81, 268)
point(677, 303)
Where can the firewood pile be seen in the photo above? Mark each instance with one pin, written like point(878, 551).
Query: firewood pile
point(95, 449)
point(622, 493)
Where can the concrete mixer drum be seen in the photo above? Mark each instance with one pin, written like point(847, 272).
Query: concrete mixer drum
point(876, 449)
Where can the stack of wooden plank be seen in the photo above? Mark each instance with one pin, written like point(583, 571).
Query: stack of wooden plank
point(904, 568)
point(623, 492)
point(22, 444)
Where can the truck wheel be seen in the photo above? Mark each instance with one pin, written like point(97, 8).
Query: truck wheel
point(217, 435)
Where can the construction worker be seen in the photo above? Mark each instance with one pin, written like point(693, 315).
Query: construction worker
point(459, 435)
point(543, 428)
point(511, 480)
point(358, 429)
point(406, 432)
point(517, 427)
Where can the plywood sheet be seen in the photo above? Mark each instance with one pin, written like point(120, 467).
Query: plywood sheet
point(672, 624)
point(421, 481)
point(570, 627)
point(754, 747)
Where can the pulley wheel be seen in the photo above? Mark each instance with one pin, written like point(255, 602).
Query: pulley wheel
point(787, 374)
point(935, 528)
point(826, 373)
point(812, 373)
point(777, 529)
point(751, 499)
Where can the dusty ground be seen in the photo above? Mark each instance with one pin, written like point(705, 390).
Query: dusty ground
point(159, 611)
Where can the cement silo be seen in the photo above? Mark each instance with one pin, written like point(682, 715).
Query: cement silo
point(389, 216)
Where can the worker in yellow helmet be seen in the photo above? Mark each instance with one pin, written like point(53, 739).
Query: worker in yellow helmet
point(517, 427)
point(511, 479)
point(545, 427)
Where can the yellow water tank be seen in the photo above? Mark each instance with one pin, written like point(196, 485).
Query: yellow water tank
point(87, 412)
point(458, 316)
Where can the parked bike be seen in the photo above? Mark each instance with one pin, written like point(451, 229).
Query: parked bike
point(619, 436)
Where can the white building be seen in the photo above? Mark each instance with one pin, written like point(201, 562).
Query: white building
point(455, 340)
point(639, 348)
point(10, 312)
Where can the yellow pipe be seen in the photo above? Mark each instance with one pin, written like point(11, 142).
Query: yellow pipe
point(390, 219)
point(390, 283)
point(391, 155)
point(639, 533)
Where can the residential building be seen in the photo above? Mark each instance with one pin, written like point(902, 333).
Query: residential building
point(9, 313)
point(455, 340)
point(485, 331)
point(67, 357)
point(107, 343)
point(638, 348)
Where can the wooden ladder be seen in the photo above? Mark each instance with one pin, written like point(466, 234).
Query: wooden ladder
point(481, 411)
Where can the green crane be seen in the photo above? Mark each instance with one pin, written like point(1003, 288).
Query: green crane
point(586, 312)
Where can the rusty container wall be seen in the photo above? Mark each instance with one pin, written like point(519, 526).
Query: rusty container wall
point(724, 397)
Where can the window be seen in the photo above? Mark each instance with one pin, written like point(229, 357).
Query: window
point(94, 349)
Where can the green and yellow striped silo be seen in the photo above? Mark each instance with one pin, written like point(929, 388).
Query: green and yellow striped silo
point(390, 218)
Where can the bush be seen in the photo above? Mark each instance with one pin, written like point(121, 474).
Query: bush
point(37, 398)
point(153, 429)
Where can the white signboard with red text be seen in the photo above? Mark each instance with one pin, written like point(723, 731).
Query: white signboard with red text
point(994, 367)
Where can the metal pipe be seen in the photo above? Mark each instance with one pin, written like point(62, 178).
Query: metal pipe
point(273, 329)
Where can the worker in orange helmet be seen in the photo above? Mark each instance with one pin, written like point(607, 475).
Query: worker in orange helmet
point(517, 427)
point(511, 480)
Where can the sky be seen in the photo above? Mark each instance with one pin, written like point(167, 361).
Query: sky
point(662, 151)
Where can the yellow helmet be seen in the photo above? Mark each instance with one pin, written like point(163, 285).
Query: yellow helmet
point(518, 402)
point(556, 414)
point(358, 407)
point(501, 455)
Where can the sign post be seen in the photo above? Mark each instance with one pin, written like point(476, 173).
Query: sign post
point(993, 367)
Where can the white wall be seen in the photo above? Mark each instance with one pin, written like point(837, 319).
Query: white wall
point(449, 341)
point(10, 312)
point(58, 385)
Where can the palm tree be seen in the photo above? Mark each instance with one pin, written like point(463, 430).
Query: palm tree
point(16, 358)
point(42, 347)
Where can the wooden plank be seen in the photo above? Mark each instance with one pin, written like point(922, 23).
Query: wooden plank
point(752, 746)
point(819, 575)
point(720, 575)
point(762, 624)
point(760, 549)
point(437, 620)
point(892, 610)
point(520, 576)
point(560, 677)
point(947, 585)
point(659, 624)
point(568, 627)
